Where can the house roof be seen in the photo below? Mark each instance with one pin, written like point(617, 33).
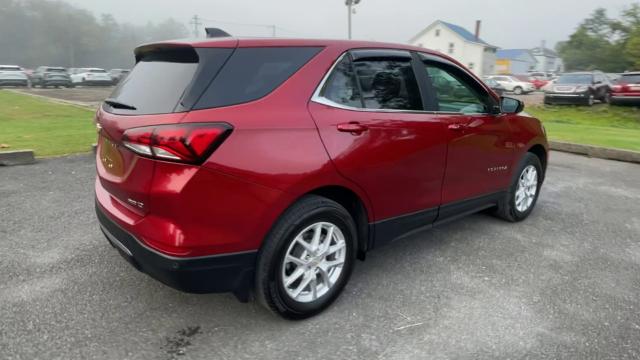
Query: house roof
point(544, 52)
point(465, 34)
point(515, 54)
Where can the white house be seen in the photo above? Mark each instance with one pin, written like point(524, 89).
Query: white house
point(460, 44)
point(548, 60)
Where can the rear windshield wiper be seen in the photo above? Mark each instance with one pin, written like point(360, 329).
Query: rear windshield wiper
point(116, 104)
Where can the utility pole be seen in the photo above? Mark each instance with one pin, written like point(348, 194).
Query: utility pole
point(195, 21)
point(350, 4)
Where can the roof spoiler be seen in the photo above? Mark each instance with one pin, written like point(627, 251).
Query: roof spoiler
point(216, 33)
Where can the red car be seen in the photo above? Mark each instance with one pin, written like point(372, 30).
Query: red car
point(270, 166)
point(627, 89)
point(537, 82)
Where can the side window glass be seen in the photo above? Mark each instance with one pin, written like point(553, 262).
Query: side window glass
point(341, 86)
point(453, 92)
point(388, 84)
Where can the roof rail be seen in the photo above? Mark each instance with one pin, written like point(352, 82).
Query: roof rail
point(215, 33)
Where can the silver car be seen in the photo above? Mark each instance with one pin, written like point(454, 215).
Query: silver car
point(13, 75)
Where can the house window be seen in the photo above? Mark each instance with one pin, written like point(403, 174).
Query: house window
point(437, 32)
point(452, 48)
point(471, 66)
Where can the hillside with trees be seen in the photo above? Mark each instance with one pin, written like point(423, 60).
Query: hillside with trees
point(42, 32)
point(605, 43)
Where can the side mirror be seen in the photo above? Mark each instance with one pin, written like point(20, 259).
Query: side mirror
point(511, 106)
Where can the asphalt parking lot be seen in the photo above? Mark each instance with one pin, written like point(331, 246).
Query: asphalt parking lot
point(563, 284)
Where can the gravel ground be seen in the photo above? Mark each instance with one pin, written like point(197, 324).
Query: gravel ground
point(565, 284)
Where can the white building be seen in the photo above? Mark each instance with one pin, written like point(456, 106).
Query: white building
point(460, 44)
point(548, 60)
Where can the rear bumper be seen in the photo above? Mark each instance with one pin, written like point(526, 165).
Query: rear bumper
point(204, 274)
point(566, 98)
point(629, 99)
point(57, 82)
point(97, 82)
point(14, 82)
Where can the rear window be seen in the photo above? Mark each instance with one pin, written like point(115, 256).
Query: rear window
point(630, 79)
point(9, 68)
point(55, 69)
point(180, 79)
point(156, 83)
point(252, 73)
point(97, 71)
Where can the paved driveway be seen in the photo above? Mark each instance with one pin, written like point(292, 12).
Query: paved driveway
point(563, 284)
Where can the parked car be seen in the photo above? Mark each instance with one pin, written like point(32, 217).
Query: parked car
point(627, 89)
point(581, 88)
point(540, 75)
point(118, 74)
point(513, 84)
point(613, 78)
point(538, 82)
point(13, 75)
point(284, 161)
point(45, 76)
point(497, 88)
point(90, 76)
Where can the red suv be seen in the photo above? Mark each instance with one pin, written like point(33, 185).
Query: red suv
point(627, 89)
point(270, 166)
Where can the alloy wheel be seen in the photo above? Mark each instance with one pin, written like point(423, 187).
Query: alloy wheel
point(314, 262)
point(527, 188)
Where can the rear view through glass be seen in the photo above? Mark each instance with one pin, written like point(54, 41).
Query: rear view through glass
point(156, 83)
point(181, 79)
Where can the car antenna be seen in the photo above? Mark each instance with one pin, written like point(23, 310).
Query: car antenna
point(216, 33)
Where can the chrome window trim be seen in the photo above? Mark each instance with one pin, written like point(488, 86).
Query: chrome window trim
point(319, 99)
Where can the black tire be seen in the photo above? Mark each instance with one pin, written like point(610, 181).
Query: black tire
point(270, 290)
point(517, 90)
point(590, 100)
point(607, 98)
point(506, 208)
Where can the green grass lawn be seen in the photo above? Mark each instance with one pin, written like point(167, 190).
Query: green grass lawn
point(50, 129)
point(601, 125)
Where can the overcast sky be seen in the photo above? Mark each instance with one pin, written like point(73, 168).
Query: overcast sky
point(506, 23)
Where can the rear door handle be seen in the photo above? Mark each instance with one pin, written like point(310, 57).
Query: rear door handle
point(457, 127)
point(352, 127)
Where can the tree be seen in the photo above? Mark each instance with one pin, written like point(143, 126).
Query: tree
point(603, 43)
point(45, 32)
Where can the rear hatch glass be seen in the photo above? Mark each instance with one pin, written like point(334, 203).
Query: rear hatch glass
point(156, 84)
point(630, 79)
point(169, 80)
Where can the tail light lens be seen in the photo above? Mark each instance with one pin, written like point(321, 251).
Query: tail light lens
point(616, 88)
point(188, 143)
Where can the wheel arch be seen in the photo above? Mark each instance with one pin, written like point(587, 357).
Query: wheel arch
point(540, 151)
point(355, 205)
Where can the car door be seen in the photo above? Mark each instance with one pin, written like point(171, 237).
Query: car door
point(480, 152)
point(371, 118)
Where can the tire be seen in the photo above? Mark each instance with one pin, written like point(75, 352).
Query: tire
point(301, 220)
point(607, 98)
point(591, 100)
point(517, 90)
point(507, 208)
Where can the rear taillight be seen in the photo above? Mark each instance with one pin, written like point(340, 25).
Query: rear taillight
point(189, 143)
point(616, 88)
